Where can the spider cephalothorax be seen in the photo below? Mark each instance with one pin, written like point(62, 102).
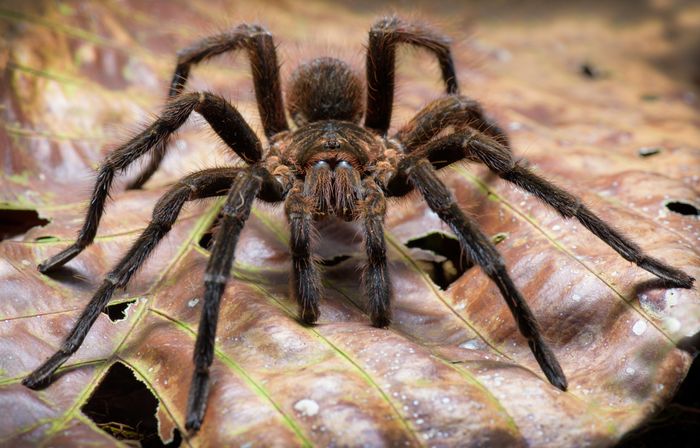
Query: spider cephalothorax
point(333, 156)
point(329, 165)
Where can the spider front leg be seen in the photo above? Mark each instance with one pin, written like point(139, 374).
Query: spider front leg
point(266, 80)
point(306, 280)
point(421, 174)
point(384, 37)
point(222, 117)
point(375, 277)
point(246, 186)
point(195, 186)
point(480, 148)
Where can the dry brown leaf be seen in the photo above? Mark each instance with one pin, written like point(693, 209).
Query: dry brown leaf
point(452, 369)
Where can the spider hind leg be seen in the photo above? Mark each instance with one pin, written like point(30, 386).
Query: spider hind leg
point(384, 37)
point(263, 60)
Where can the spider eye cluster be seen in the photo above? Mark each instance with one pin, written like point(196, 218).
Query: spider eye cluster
point(324, 89)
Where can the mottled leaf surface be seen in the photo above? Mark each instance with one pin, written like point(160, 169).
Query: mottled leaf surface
point(580, 94)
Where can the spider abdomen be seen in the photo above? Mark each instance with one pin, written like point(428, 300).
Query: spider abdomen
point(324, 89)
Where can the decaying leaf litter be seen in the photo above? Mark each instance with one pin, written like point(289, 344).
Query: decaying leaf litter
point(452, 368)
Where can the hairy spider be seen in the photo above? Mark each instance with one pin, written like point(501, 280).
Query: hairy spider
point(329, 164)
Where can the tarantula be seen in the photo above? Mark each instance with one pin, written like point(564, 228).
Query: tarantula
point(328, 164)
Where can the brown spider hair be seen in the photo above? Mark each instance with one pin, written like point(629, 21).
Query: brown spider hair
point(325, 89)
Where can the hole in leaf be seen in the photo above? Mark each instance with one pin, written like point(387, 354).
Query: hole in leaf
point(207, 238)
point(589, 71)
point(683, 208)
point(206, 241)
point(123, 407)
point(17, 222)
point(648, 151)
point(449, 264)
point(46, 239)
point(335, 260)
point(499, 238)
point(691, 344)
point(117, 311)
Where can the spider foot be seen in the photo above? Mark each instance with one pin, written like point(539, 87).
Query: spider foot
point(381, 318)
point(42, 376)
point(193, 423)
point(548, 363)
point(674, 276)
point(309, 315)
point(36, 382)
point(556, 377)
point(381, 321)
point(59, 259)
point(197, 402)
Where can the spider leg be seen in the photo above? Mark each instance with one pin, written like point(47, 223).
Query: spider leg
point(375, 277)
point(246, 186)
point(195, 186)
point(421, 174)
point(157, 156)
point(266, 80)
point(381, 60)
point(258, 42)
point(222, 117)
point(454, 110)
point(299, 208)
point(477, 147)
